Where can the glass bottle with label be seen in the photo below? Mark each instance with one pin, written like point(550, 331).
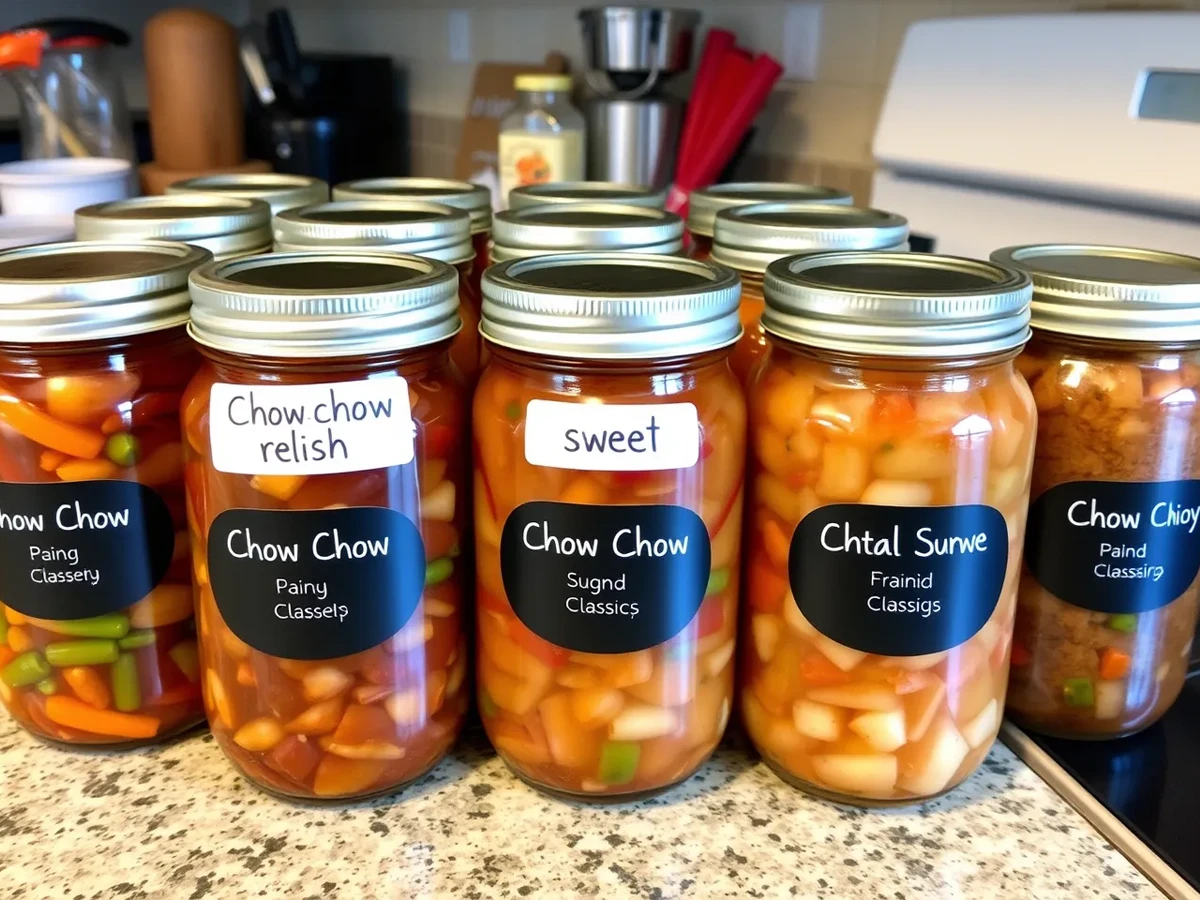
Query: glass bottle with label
point(584, 227)
point(892, 441)
point(278, 190)
point(541, 138)
point(226, 227)
point(97, 634)
point(609, 447)
point(474, 199)
point(704, 204)
point(1108, 603)
point(325, 447)
point(432, 230)
point(749, 238)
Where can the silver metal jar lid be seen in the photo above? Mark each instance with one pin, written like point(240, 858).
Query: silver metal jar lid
point(611, 305)
point(1111, 293)
point(474, 198)
point(585, 192)
point(704, 204)
point(584, 227)
point(422, 229)
point(94, 290)
point(278, 190)
point(323, 304)
point(749, 238)
point(897, 304)
point(225, 226)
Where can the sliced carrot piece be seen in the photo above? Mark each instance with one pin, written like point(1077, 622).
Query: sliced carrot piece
point(1113, 663)
point(74, 713)
point(776, 543)
point(41, 428)
point(19, 640)
point(87, 470)
point(817, 671)
point(51, 460)
point(88, 686)
point(765, 587)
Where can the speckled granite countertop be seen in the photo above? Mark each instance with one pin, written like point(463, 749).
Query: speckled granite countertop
point(175, 821)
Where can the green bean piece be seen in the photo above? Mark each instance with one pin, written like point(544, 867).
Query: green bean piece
point(3, 628)
point(28, 668)
point(619, 761)
point(718, 580)
point(1125, 623)
point(127, 693)
point(89, 652)
point(123, 449)
point(136, 640)
point(111, 626)
point(1078, 692)
point(48, 686)
point(438, 571)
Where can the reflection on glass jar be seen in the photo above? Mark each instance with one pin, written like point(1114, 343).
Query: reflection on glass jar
point(704, 204)
point(891, 441)
point(97, 638)
point(609, 457)
point(327, 498)
point(1109, 595)
point(750, 238)
point(432, 230)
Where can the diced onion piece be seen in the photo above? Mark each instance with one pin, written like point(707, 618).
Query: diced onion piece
point(927, 765)
point(714, 663)
point(884, 731)
point(819, 721)
point(888, 492)
point(982, 728)
point(438, 504)
point(259, 735)
point(765, 631)
point(864, 695)
point(915, 459)
point(596, 706)
point(639, 723)
point(407, 707)
point(845, 658)
point(845, 469)
point(324, 682)
point(1109, 699)
point(570, 745)
point(320, 718)
point(795, 619)
point(868, 775)
point(921, 707)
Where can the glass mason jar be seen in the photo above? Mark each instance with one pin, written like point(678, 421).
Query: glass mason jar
point(586, 192)
point(749, 238)
point(326, 471)
point(584, 227)
point(227, 227)
point(97, 635)
point(475, 199)
point(277, 190)
point(1109, 594)
point(892, 440)
point(424, 229)
point(541, 137)
point(704, 204)
point(609, 457)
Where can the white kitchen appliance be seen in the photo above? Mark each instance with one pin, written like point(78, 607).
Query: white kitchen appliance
point(1043, 128)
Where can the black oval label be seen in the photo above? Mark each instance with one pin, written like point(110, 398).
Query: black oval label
point(73, 550)
point(315, 584)
point(1115, 547)
point(604, 579)
point(899, 581)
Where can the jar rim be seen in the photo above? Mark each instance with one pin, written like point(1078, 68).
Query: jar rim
point(705, 203)
point(313, 304)
point(225, 225)
point(590, 306)
point(584, 228)
point(476, 199)
point(403, 226)
point(897, 304)
point(586, 192)
point(278, 189)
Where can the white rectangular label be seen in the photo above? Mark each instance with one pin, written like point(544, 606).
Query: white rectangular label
point(615, 437)
point(310, 429)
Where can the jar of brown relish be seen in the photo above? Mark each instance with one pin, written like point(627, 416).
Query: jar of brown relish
point(704, 204)
point(419, 228)
point(750, 238)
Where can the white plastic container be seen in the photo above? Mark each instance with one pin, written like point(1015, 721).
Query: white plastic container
point(53, 187)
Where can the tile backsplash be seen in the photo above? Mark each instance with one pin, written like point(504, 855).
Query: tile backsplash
point(814, 131)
